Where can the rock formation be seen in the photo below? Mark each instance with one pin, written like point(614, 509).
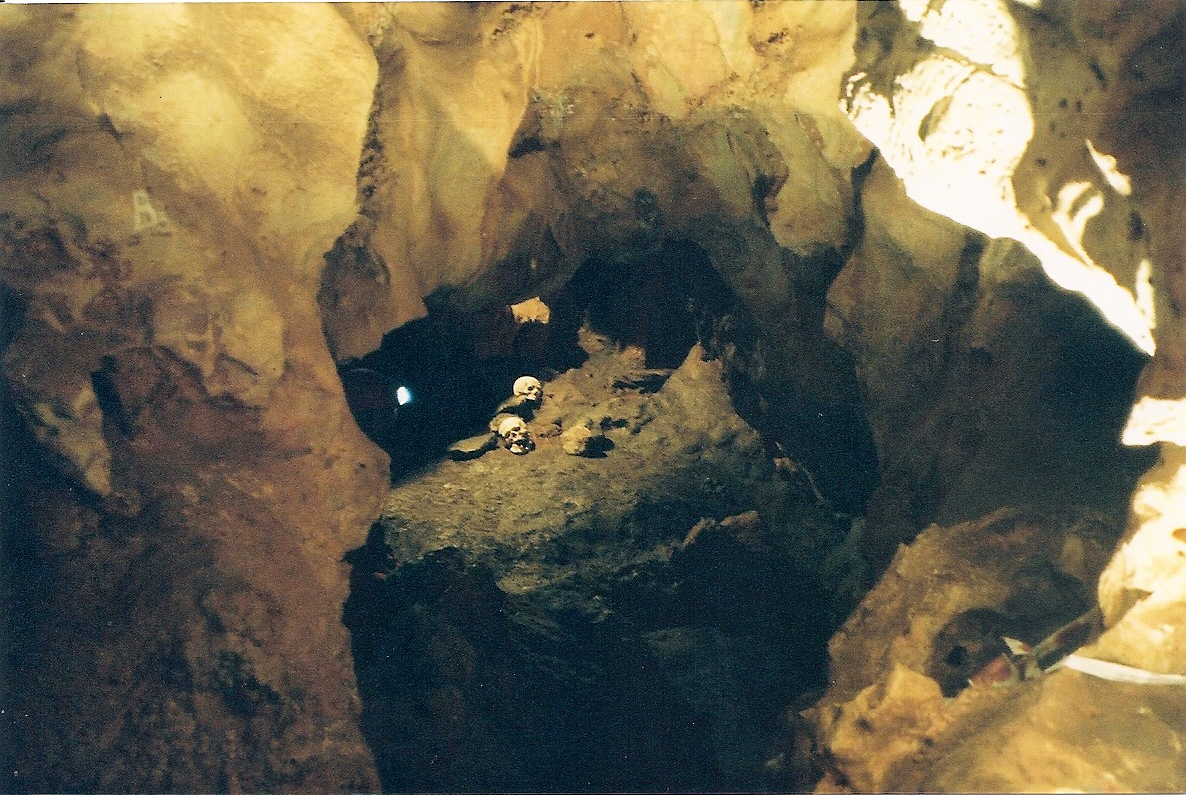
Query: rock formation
point(1039, 128)
point(190, 477)
point(932, 246)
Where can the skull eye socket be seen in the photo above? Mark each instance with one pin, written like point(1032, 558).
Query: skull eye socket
point(511, 428)
point(528, 386)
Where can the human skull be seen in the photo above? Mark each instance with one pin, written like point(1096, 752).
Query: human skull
point(512, 432)
point(529, 388)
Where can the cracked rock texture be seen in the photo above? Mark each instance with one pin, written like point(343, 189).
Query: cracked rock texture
point(899, 714)
point(549, 135)
point(643, 614)
point(1040, 127)
point(189, 472)
point(953, 232)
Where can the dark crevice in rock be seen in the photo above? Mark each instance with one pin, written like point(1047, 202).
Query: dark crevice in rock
point(636, 640)
point(453, 385)
point(468, 690)
point(662, 298)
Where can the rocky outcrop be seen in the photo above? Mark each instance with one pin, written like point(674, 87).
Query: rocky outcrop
point(552, 136)
point(900, 714)
point(972, 361)
point(634, 619)
point(206, 209)
point(1062, 164)
point(192, 478)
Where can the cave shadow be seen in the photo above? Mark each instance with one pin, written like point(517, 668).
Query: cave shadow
point(425, 388)
point(462, 694)
point(467, 688)
point(661, 296)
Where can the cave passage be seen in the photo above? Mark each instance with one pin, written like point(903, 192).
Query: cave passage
point(812, 455)
point(644, 619)
point(653, 618)
point(440, 378)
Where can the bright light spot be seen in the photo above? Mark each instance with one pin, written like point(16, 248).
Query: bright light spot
point(1080, 273)
point(531, 310)
point(913, 10)
point(1073, 221)
point(1156, 420)
point(983, 31)
point(1111, 171)
point(964, 167)
point(1146, 304)
point(954, 134)
point(403, 396)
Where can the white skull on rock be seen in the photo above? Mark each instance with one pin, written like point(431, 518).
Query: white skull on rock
point(514, 436)
point(529, 387)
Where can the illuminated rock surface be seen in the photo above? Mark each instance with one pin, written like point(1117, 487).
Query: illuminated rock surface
point(861, 212)
point(1075, 80)
point(168, 194)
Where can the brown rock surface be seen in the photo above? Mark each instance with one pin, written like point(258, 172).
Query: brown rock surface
point(202, 208)
point(553, 135)
point(171, 178)
point(936, 619)
point(1072, 179)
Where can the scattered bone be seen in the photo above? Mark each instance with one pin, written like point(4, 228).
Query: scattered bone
point(508, 428)
point(696, 530)
point(514, 436)
point(743, 525)
point(527, 397)
point(575, 441)
point(473, 447)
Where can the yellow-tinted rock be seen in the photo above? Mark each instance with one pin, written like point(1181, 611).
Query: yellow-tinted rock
point(171, 178)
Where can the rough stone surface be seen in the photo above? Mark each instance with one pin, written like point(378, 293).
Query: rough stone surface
point(204, 209)
point(634, 621)
point(971, 362)
point(192, 477)
point(1096, 216)
point(937, 618)
point(556, 134)
point(1065, 166)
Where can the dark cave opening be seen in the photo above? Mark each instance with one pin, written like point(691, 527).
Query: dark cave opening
point(179, 478)
point(595, 680)
point(662, 297)
point(449, 392)
point(454, 367)
point(647, 653)
point(15, 456)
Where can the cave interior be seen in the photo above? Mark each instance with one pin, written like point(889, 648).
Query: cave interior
point(836, 480)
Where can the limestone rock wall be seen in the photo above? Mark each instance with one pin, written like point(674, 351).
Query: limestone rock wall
point(1082, 98)
point(171, 178)
point(492, 135)
point(971, 361)
point(1034, 123)
point(900, 714)
point(512, 143)
point(203, 208)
